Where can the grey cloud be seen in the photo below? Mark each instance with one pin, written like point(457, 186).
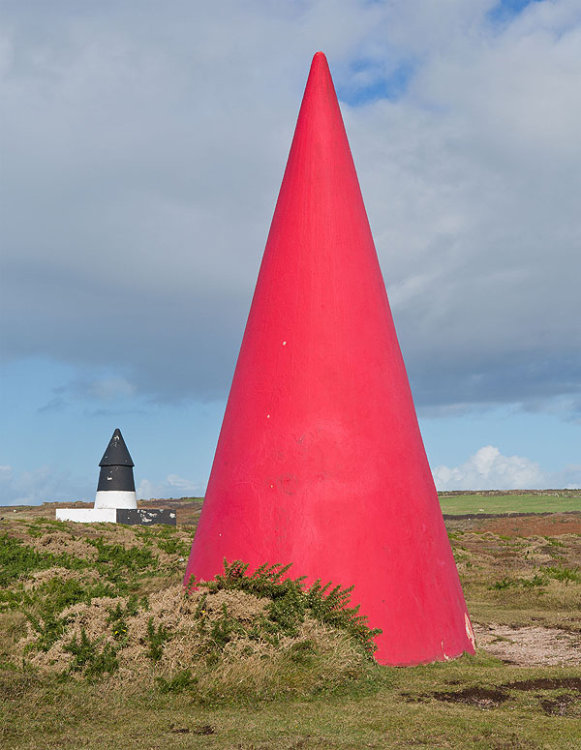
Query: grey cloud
point(144, 147)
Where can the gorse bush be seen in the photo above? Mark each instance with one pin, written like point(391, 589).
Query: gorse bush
point(92, 658)
point(567, 575)
point(18, 559)
point(179, 683)
point(108, 602)
point(238, 637)
point(291, 601)
point(526, 583)
point(48, 628)
point(121, 560)
point(119, 615)
point(542, 578)
point(173, 546)
point(42, 609)
point(156, 637)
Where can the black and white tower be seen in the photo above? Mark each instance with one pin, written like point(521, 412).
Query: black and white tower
point(116, 501)
point(116, 488)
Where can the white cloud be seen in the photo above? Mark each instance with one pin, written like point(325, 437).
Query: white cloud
point(488, 469)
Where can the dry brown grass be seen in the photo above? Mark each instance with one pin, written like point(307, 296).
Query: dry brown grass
point(314, 658)
point(41, 577)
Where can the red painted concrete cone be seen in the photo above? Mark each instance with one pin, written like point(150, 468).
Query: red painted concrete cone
point(320, 460)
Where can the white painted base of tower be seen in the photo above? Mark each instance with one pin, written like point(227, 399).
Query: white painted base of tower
point(115, 499)
point(87, 515)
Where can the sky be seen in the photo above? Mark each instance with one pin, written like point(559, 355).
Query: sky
point(143, 144)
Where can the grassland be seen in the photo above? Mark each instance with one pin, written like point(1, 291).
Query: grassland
point(551, 501)
point(262, 678)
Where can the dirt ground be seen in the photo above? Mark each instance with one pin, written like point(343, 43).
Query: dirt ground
point(530, 646)
point(519, 525)
point(556, 523)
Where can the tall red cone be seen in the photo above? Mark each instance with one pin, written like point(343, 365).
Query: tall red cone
point(320, 461)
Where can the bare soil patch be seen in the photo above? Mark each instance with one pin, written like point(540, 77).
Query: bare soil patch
point(530, 646)
point(559, 706)
point(474, 696)
point(546, 683)
point(553, 525)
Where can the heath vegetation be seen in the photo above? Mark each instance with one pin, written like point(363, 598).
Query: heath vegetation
point(100, 647)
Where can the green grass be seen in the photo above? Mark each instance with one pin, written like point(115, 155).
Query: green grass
point(473, 702)
point(525, 503)
point(402, 712)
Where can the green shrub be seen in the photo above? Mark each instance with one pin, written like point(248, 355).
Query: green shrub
point(11, 599)
point(173, 546)
point(564, 574)
point(291, 601)
point(91, 660)
point(43, 606)
point(302, 652)
point(17, 559)
point(48, 627)
point(156, 638)
point(526, 583)
point(180, 682)
point(119, 560)
point(540, 579)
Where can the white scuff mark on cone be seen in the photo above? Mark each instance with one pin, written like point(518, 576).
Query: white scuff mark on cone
point(469, 630)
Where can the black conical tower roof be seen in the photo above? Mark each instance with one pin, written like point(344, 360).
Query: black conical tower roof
point(117, 453)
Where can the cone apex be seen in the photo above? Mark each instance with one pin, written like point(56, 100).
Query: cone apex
point(319, 68)
point(116, 453)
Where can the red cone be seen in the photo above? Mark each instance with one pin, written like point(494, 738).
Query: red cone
point(320, 461)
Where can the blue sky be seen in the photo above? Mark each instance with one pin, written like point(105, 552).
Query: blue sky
point(143, 145)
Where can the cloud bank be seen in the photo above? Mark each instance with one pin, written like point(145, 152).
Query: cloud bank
point(488, 469)
point(144, 145)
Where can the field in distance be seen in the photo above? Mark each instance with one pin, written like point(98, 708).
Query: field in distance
point(515, 501)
